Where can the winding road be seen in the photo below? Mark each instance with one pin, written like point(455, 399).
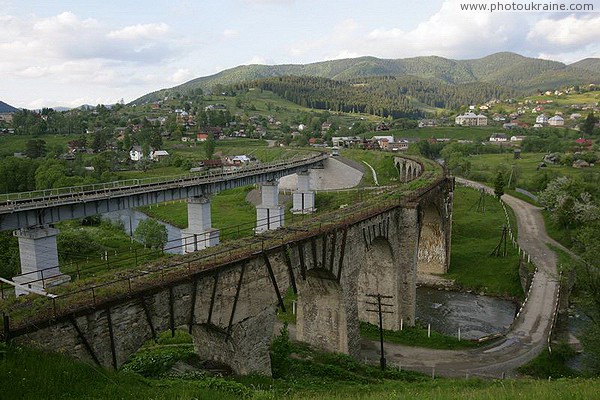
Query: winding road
point(528, 335)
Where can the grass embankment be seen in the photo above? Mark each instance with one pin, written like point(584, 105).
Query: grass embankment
point(474, 237)
point(31, 374)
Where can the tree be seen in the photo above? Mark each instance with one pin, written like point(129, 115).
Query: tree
point(588, 125)
point(36, 148)
point(209, 146)
point(499, 185)
point(151, 234)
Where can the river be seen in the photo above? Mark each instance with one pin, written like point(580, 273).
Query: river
point(476, 315)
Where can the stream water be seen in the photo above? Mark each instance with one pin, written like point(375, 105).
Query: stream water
point(476, 315)
point(131, 218)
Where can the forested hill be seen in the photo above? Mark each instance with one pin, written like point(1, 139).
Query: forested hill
point(381, 96)
point(588, 64)
point(508, 70)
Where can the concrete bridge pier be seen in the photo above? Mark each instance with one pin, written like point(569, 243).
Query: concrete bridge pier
point(269, 214)
point(39, 259)
point(199, 234)
point(303, 197)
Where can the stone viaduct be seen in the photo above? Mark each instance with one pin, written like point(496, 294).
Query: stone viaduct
point(230, 310)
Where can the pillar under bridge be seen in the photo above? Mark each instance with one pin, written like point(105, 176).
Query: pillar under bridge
point(39, 260)
point(199, 234)
point(303, 197)
point(269, 214)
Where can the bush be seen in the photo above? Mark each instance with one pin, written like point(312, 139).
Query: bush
point(151, 234)
point(281, 349)
point(76, 242)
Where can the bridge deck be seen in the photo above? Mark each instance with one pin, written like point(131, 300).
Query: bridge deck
point(19, 210)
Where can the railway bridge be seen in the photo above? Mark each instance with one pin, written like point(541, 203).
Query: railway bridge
point(228, 300)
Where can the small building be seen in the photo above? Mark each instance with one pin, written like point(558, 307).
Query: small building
point(136, 153)
point(517, 138)
point(427, 123)
point(541, 119)
point(498, 137)
point(158, 154)
point(557, 120)
point(238, 160)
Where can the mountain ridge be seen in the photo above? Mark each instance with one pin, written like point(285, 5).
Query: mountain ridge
point(7, 108)
point(506, 69)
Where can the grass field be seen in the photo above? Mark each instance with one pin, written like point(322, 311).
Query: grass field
point(474, 237)
point(10, 144)
point(484, 168)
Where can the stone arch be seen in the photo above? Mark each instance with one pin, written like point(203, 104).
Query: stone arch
point(379, 275)
point(321, 318)
point(432, 255)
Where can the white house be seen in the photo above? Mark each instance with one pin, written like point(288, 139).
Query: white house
point(471, 119)
point(498, 137)
point(136, 153)
point(517, 138)
point(557, 120)
point(158, 154)
point(541, 119)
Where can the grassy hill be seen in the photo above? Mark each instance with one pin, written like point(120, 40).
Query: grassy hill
point(505, 69)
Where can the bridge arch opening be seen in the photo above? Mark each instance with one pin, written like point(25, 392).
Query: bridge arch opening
point(432, 256)
point(321, 317)
point(379, 275)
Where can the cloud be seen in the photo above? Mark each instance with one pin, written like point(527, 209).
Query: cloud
point(230, 33)
point(139, 31)
point(258, 60)
point(454, 33)
point(570, 32)
point(180, 76)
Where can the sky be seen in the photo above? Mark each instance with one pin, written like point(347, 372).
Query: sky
point(69, 53)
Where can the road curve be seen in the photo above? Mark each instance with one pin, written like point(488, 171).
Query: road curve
point(529, 332)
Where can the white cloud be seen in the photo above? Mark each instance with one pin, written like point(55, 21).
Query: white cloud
point(258, 60)
point(230, 33)
point(180, 76)
point(139, 31)
point(568, 32)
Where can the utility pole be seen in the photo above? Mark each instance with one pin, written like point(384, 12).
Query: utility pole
point(380, 312)
point(501, 250)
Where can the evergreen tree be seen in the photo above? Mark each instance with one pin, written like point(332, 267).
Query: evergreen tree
point(499, 185)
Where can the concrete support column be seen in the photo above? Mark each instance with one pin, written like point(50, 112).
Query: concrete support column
point(303, 197)
point(39, 259)
point(269, 214)
point(199, 234)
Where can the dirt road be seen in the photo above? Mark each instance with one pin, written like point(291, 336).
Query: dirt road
point(529, 332)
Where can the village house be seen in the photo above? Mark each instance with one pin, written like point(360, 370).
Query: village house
point(471, 119)
point(157, 155)
point(557, 120)
point(541, 119)
point(427, 123)
point(498, 137)
point(517, 138)
point(136, 153)
point(238, 160)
